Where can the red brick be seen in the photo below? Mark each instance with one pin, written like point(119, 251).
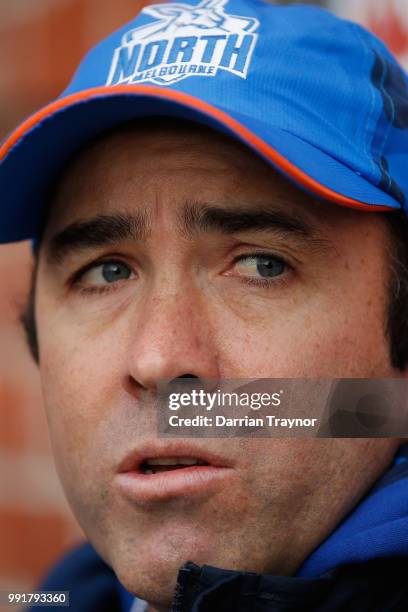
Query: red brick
point(31, 543)
point(11, 418)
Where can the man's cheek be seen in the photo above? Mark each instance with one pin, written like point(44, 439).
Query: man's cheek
point(70, 426)
point(76, 368)
point(287, 348)
point(78, 386)
point(73, 416)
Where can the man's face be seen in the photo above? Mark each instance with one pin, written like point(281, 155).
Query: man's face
point(174, 252)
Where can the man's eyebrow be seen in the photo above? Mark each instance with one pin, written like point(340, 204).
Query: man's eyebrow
point(99, 231)
point(197, 218)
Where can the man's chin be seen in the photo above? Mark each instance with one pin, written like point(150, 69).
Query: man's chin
point(151, 579)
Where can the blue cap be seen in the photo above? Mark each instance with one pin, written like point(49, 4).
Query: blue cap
point(318, 97)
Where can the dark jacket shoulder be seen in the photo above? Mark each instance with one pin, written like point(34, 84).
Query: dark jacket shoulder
point(91, 583)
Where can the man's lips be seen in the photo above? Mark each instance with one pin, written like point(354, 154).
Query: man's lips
point(156, 472)
point(152, 465)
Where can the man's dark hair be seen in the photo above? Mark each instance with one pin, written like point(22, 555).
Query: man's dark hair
point(28, 315)
point(396, 323)
point(397, 315)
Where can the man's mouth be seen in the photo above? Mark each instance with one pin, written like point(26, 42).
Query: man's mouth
point(157, 472)
point(165, 464)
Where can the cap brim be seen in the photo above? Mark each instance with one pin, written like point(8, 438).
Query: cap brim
point(34, 154)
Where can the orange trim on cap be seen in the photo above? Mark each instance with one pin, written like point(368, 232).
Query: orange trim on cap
point(185, 99)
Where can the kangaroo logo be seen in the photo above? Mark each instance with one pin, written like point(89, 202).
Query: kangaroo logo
point(184, 41)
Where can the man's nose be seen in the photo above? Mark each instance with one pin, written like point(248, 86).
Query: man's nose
point(173, 338)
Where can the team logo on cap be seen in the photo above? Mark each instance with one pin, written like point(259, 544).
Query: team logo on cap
point(184, 41)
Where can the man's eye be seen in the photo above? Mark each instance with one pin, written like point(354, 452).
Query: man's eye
point(260, 266)
point(107, 272)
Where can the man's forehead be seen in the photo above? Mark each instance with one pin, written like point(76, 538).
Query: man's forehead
point(122, 173)
point(135, 156)
point(171, 142)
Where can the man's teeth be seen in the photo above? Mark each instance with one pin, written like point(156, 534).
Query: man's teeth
point(151, 466)
point(174, 461)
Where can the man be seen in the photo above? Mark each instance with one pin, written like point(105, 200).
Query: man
point(169, 243)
